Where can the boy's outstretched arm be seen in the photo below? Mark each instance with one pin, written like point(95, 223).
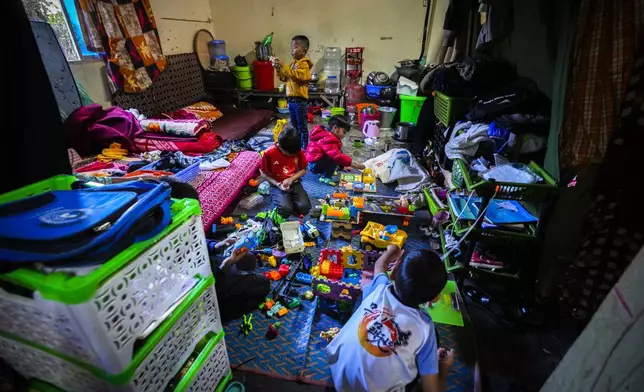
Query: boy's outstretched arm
point(392, 253)
point(300, 74)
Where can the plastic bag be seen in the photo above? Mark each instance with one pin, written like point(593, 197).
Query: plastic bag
point(251, 201)
point(512, 172)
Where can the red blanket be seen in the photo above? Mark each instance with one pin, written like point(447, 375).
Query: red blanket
point(217, 190)
point(150, 141)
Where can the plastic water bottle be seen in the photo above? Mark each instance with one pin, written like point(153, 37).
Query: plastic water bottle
point(332, 60)
point(332, 85)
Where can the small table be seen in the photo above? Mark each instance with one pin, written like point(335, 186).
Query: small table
point(332, 100)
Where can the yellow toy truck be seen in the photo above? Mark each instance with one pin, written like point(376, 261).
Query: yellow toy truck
point(377, 236)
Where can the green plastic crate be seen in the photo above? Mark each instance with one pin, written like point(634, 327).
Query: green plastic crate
point(210, 371)
point(94, 314)
point(448, 110)
point(410, 108)
point(492, 236)
point(511, 190)
point(170, 344)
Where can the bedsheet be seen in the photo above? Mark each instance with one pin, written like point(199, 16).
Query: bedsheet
point(218, 189)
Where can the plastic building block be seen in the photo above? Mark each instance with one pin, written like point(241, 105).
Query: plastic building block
point(264, 188)
point(315, 271)
point(272, 261)
point(273, 275)
point(294, 303)
point(267, 305)
point(331, 270)
point(309, 244)
point(308, 295)
point(358, 202)
point(243, 216)
point(283, 270)
point(282, 312)
point(335, 289)
point(340, 195)
point(226, 220)
point(273, 331)
point(303, 278)
point(253, 182)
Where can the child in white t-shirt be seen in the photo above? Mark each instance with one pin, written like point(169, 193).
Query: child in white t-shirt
point(389, 341)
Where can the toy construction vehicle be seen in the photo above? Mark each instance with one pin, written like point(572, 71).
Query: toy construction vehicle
point(376, 236)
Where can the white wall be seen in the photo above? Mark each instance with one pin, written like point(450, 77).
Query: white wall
point(176, 37)
point(327, 23)
point(342, 23)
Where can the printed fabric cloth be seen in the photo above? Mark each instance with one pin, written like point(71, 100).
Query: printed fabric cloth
point(199, 110)
point(150, 141)
point(399, 165)
point(189, 128)
point(126, 32)
point(608, 35)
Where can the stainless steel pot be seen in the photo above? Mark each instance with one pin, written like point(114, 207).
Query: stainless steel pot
point(404, 131)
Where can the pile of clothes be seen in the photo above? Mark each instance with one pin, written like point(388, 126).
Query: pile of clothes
point(91, 128)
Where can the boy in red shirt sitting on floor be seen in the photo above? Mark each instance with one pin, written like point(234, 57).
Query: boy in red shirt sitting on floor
point(283, 165)
point(324, 151)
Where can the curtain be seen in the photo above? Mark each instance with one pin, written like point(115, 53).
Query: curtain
point(605, 43)
point(125, 30)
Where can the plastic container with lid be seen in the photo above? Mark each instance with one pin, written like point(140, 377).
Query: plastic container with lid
point(332, 84)
point(217, 47)
point(332, 60)
point(263, 75)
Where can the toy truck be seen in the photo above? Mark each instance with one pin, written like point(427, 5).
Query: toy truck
point(309, 230)
point(377, 236)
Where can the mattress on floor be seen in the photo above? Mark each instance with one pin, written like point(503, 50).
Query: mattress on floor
point(218, 189)
point(241, 123)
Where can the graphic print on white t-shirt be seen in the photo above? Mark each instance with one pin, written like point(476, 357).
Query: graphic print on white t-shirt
point(379, 333)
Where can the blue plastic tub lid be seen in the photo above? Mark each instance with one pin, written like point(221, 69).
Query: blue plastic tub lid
point(222, 57)
point(217, 41)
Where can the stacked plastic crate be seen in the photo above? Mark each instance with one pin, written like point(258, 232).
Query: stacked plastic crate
point(147, 320)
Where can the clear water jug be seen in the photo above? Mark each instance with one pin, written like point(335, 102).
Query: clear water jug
point(332, 84)
point(332, 60)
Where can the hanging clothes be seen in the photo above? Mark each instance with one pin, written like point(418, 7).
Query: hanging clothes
point(613, 231)
point(607, 37)
point(126, 32)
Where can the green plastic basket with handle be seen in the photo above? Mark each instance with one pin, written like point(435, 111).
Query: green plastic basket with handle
point(448, 109)
point(511, 190)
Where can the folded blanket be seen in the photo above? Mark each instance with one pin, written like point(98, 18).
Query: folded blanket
point(206, 142)
point(188, 128)
point(197, 111)
point(399, 165)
